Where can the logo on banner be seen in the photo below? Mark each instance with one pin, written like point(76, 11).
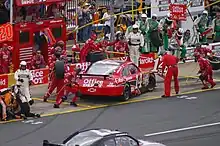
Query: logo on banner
point(178, 11)
point(37, 76)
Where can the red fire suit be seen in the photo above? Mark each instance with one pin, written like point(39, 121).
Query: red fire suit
point(37, 62)
point(56, 83)
point(206, 72)
point(202, 52)
point(89, 46)
point(170, 62)
point(5, 60)
point(121, 47)
point(71, 86)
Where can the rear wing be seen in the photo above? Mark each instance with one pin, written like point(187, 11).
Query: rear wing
point(47, 143)
point(93, 75)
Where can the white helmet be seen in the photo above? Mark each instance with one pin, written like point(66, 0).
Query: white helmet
point(205, 12)
point(154, 15)
point(168, 15)
point(23, 63)
point(143, 15)
point(135, 26)
point(181, 30)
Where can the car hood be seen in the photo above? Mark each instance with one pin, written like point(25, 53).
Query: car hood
point(147, 143)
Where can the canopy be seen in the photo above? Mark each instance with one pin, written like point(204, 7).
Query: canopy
point(21, 3)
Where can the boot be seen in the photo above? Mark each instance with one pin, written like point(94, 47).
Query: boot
point(213, 85)
point(56, 106)
point(205, 87)
point(37, 115)
point(73, 104)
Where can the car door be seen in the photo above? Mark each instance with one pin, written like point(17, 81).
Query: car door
point(108, 142)
point(126, 141)
point(135, 76)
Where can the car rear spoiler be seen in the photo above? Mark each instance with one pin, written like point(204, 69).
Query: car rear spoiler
point(47, 143)
point(93, 75)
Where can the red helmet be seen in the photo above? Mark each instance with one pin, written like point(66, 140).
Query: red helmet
point(93, 36)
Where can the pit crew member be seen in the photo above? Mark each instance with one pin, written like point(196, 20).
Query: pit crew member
point(5, 59)
point(135, 43)
point(38, 61)
point(24, 78)
point(170, 61)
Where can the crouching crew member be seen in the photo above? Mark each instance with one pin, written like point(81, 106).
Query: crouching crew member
point(206, 72)
point(170, 61)
point(136, 42)
point(72, 87)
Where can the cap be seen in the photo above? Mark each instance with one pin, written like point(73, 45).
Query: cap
point(23, 63)
point(135, 26)
point(143, 15)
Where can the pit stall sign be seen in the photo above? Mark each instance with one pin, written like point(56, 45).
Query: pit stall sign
point(6, 32)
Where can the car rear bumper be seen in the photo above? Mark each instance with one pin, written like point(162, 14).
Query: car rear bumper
point(104, 91)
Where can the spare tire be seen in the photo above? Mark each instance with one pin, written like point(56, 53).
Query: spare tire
point(215, 63)
point(59, 69)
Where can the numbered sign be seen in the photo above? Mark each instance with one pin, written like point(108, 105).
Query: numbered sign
point(6, 32)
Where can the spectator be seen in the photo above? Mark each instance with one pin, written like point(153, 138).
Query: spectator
point(4, 14)
point(38, 61)
point(87, 18)
point(5, 59)
point(107, 19)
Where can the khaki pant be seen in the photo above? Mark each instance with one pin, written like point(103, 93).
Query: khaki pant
point(134, 54)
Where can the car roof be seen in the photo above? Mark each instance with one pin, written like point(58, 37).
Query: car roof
point(110, 61)
point(98, 132)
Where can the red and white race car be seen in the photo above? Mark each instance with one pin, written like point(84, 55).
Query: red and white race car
point(115, 78)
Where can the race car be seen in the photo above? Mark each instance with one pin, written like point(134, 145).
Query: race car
point(102, 137)
point(115, 78)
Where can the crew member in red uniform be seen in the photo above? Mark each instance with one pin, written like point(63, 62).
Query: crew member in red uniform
point(72, 87)
point(56, 82)
point(170, 61)
point(90, 45)
point(201, 51)
point(38, 61)
point(121, 46)
point(206, 72)
point(5, 59)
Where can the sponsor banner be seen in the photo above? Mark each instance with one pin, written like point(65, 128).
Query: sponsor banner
point(40, 76)
point(3, 81)
point(147, 60)
point(178, 11)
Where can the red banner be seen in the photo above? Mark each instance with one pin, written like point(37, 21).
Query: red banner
point(40, 76)
point(147, 60)
point(3, 81)
point(6, 32)
point(36, 2)
point(178, 11)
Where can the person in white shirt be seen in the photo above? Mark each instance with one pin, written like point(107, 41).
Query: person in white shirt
point(107, 19)
point(135, 41)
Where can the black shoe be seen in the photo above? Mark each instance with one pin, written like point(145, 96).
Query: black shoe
point(45, 100)
point(31, 102)
point(23, 117)
point(56, 106)
point(37, 115)
point(73, 104)
point(177, 92)
point(163, 96)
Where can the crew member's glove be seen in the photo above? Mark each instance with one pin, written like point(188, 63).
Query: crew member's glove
point(31, 102)
point(129, 43)
point(21, 80)
point(30, 83)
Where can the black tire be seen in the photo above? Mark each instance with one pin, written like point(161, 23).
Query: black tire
point(151, 83)
point(59, 69)
point(126, 93)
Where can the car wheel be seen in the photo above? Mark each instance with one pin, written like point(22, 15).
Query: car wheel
point(126, 93)
point(152, 83)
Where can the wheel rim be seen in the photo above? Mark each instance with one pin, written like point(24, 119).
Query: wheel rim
point(126, 93)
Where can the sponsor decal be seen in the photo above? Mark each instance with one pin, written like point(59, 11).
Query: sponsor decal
point(146, 60)
point(91, 82)
point(111, 84)
point(84, 66)
point(40, 76)
point(3, 81)
point(92, 90)
point(119, 80)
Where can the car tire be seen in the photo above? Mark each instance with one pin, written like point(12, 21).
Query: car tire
point(126, 93)
point(151, 83)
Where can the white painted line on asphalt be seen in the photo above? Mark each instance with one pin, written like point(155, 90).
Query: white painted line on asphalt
point(182, 129)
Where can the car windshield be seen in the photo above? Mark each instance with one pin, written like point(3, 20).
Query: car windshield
point(103, 68)
point(84, 139)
